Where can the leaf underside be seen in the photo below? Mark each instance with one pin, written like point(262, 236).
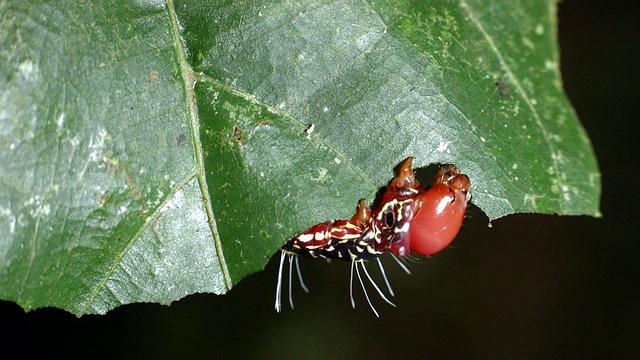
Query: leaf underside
point(151, 150)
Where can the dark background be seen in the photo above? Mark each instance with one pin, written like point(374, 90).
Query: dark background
point(532, 286)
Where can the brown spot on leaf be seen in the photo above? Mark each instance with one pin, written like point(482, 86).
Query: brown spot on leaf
point(180, 139)
point(237, 133)
point(504, 92)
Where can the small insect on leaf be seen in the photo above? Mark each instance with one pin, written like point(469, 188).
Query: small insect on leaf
point(407, 218)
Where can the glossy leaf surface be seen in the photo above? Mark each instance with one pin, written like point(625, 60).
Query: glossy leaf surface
point(150, 150)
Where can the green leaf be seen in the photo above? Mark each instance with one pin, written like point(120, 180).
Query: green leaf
point(151, 150)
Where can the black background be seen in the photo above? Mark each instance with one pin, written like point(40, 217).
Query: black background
point(532, 286)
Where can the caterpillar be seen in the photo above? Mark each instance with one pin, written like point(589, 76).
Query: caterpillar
point(406, 219)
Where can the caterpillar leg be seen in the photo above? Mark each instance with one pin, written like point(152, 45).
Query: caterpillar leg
point(296, 260)
point(364, 268)
point(384, 275)
point(356, 265)
point(292, 259)
point(278, 304)
point(302, 284)
point(400, 262)
point(290, 282)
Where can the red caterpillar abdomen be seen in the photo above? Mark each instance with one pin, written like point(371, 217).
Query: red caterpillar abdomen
point(440, 212)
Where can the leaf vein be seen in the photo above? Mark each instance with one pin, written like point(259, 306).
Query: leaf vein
point(522, 92)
